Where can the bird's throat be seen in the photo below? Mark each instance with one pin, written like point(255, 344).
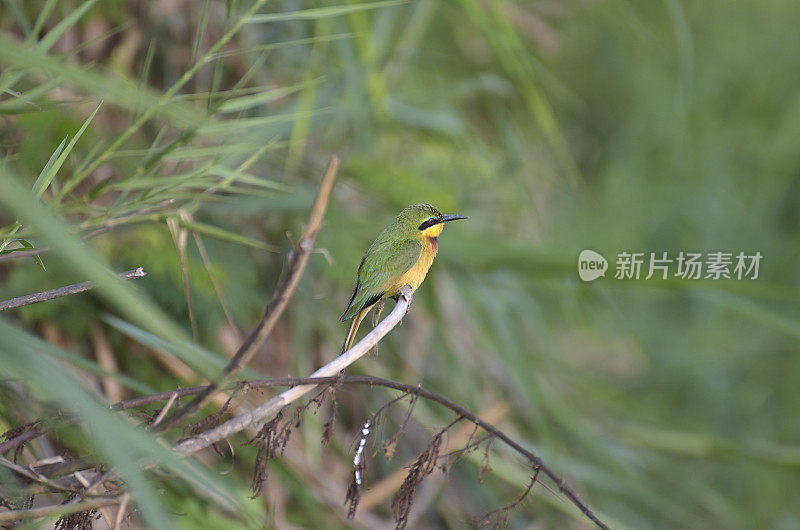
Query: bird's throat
point(434, 244)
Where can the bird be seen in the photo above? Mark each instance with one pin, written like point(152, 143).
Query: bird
point(401, 254)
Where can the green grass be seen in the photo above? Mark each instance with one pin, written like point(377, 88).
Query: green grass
point(613, 126)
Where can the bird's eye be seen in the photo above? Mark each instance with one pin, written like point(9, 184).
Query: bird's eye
point(430, 221)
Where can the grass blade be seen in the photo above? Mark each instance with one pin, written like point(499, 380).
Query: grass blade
point(42, 182)
point(317, 13)
point(70, 20)
point(47, 177)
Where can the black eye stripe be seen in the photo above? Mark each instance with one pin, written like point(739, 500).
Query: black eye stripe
point(429, 222)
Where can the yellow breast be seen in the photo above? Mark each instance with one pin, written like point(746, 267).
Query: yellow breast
point(417, 273)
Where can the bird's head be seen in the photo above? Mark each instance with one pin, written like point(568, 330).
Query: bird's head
point(425, 220)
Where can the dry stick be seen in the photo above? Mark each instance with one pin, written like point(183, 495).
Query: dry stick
point(465, 413)
point(63, 291)
point(23, 438)
point(107, 227)
point(297, 264)
point(36, 478)
point(58, 509)
point(166, 408)
point(31, 474)
point(271, 407)
point(316, 379)
point(121, 511)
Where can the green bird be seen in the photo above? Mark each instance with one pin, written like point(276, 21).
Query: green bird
point(400, 255)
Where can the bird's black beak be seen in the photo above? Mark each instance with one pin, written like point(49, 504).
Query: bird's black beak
point(449, 217)
point(452, 217)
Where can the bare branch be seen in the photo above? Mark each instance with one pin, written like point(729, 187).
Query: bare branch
point(271, 407)
point(502, 513)
point(192, 445)
point(63, 291)
point(537, 461)
point(121, 511)
point(31, 474)
point(298, 260)
point(59, 509)
point(166, 408)
point(20, 435)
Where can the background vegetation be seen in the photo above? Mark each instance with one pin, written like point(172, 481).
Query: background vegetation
point(556, 126)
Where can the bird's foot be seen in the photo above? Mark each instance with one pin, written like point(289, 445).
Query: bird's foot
point(376, 315)
point(407, 293)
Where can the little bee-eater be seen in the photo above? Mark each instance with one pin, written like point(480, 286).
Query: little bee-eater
point(400, 255)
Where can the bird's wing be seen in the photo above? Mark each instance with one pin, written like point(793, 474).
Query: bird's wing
point(382, 262)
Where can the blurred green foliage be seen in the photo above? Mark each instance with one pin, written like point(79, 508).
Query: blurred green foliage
point(616, 126)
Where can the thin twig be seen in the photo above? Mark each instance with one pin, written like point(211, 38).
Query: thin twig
point(59, 509)
point(307, 383)
point(63, 291)
point(271, 407)
point(166, 408)
point(31, 474)
point(297, 264)
point(121, 511)
point(27, 436)
point(42, 478)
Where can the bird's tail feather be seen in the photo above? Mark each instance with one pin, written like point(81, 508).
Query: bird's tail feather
point(354, 328)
